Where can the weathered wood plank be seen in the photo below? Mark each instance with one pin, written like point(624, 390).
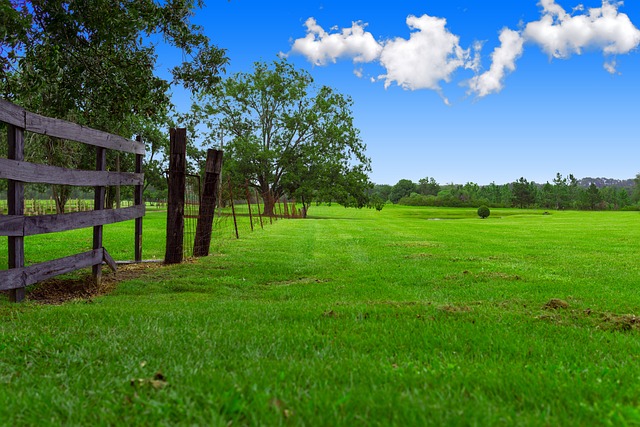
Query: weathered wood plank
point(11, 225)
point(15, 202)
point(138, 200)
point(101, 165)
point(202, 240)
point(75, 132)
point(106, 257)
point(43, 224)
point(12, 114)
point(15, 278)
point(175, 204)
point(43, 174)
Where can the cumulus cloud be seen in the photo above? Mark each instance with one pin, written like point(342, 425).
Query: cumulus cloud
point(561, 35)
point(503, 60)
point(604, 28)
point(321, 47)
point(430, 55)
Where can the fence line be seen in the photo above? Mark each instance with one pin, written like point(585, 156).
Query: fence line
point(17, 224)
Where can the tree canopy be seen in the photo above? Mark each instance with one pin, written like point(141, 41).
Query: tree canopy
point(564, 193)
point(288, 137)
point(93, 62)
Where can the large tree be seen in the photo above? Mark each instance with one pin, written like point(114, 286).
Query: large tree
point(402, 188)
point(93, 62)
point(524, 193)
point(288, 137)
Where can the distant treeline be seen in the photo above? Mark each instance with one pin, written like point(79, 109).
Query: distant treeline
point(562, 193)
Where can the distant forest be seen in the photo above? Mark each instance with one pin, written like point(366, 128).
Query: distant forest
point(564, 192)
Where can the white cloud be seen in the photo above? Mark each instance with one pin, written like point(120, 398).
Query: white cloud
point(560, 35)
point(503, 59)
point(432, 53)
point(429, 56)
point(611, 67)
point(320, 47)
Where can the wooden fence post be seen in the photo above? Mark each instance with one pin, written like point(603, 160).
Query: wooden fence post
point(177, 188)
point(246, 188)
point(233, 209)
point(15, 194)
point(202, 241)
point(98, 204)
point(259, 212)
point(138, 201)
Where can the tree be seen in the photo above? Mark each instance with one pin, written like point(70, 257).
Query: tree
point(428, 187)
point(635, 195)
point(524, 193)
point(403, 188)
point(89, 62)
point(592, 197)
point(382, 191)
point(289, 137)
point(547, 196)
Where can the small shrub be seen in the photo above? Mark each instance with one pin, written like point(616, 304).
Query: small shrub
point(483, 212)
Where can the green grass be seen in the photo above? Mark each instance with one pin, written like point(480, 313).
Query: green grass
point(351, 317)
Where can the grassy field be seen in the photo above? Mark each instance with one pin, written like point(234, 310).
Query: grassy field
point(408, 316)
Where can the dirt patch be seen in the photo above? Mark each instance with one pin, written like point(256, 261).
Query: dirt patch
point(299, 281)
point(456, 308)
point(414, 245)
point(398, 303)
point(58, 291)
point(625, 322)
point(484, 276)
point(555, 303)
point(418, 256)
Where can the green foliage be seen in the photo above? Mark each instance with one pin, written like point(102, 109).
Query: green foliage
point(403, 188)
point(376, 202)
point(484, 212)
point(428, 187)
point(564, 193)
point(381, 191)
point(524, 193)
point(288, 137)
point(92, 62)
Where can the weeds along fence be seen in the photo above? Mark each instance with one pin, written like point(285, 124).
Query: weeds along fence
point(17, 224)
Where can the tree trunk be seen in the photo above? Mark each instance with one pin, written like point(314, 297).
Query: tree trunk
point(269, 203)
point(61, 195)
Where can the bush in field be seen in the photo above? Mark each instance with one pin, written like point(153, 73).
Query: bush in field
point(483, 212)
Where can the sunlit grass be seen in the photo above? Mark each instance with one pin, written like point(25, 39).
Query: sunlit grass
point(351, 317)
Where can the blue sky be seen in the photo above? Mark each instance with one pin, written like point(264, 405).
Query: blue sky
point(503, 89)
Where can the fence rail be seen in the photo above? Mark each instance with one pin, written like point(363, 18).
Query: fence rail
point(16, 225)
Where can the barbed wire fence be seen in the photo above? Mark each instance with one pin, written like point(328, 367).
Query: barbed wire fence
point(201, 215)
point(240, 211)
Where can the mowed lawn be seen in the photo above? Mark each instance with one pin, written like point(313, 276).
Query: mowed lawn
point(408, 316)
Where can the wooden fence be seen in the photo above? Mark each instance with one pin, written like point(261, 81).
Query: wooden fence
point(17, 226)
